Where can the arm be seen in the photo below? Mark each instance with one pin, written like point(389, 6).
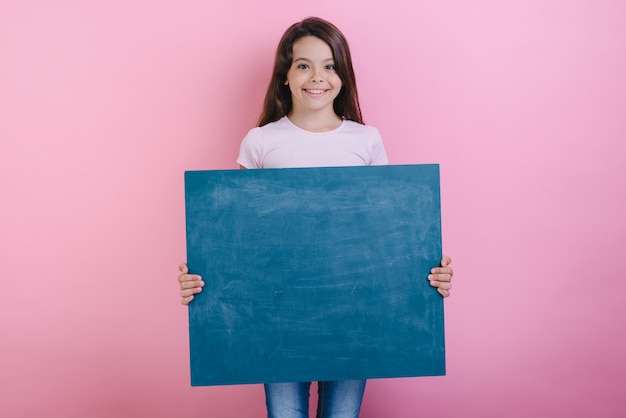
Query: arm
point(440, 277)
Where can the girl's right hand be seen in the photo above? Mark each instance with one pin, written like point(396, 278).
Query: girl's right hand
point(190, 284)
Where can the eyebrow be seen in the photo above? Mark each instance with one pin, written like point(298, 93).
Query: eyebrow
point(308, 60)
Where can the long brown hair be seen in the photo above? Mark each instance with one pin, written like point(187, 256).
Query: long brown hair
point(278, 97)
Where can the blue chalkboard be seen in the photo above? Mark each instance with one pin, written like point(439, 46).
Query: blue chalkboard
point(314, 274)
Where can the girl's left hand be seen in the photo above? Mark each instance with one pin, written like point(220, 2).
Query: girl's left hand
point(440, 277)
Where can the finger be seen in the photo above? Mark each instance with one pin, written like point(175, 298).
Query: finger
point(191, 284)
point(183, 268)
point(444, 293)
point(188, 292)
point(186, 300)
point(445, 261)
point(440, 277)
point(446, 285)
point(189, 277)
point(442, 270)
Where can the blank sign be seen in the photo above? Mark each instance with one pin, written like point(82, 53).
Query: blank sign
point(314, 274)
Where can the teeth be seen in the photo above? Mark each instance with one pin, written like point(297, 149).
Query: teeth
point(315, 91)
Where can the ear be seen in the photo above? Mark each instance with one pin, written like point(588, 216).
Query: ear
point(286, 83)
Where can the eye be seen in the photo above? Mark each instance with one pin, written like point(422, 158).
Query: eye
point(330, 67)
point(302, 66)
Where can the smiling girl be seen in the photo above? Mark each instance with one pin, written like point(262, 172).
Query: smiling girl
point(312, 118)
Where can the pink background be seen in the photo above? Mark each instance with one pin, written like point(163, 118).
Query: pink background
point(103, 105)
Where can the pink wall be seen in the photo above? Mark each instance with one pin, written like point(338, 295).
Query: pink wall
point(103, 105)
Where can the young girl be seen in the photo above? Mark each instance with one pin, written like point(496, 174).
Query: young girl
point(312, 118)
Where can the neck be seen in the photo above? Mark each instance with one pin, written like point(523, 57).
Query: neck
point(315, 121)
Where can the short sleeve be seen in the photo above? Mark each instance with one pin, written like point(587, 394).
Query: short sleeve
point(379, 155)
point(251, 150)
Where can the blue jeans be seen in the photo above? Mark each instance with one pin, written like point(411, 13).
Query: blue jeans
point(337, 399)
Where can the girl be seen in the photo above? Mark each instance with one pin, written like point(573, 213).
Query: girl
point(312, 118)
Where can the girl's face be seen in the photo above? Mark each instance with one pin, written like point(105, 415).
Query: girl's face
point(312, 79)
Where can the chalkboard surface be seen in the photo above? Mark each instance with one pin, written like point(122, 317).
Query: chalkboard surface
point(314, 274)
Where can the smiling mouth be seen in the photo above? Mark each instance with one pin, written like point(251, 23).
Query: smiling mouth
point(315, 91)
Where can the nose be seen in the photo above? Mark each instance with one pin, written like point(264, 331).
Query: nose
point(317, 76)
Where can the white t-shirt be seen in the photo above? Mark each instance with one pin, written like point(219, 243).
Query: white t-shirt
point(282, 144)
